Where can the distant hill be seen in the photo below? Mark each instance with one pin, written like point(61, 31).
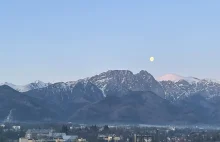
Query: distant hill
point(135, 107)
point(21, 107)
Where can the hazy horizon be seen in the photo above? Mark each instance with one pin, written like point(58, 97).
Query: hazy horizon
point(156, 78)
point(55, 41)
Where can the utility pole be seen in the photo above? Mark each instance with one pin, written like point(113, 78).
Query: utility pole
point(157, 136)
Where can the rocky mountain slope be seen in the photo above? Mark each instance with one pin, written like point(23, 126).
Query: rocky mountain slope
point(15, 106)
point(176, 87)
point(120, 82)
point(69, 96)
point(135, 107)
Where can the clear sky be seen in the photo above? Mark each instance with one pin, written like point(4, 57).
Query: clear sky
point(62, 40)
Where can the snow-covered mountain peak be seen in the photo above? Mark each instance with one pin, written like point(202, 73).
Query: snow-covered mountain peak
point(170, 77)
point(178, 87)
point(176, 78)
point(8, 84)
point(24, 88)
point(119, 82)
point(38, 82)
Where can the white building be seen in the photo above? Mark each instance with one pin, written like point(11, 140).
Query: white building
point(2, 125)
point(81, 140)
point(16, 128)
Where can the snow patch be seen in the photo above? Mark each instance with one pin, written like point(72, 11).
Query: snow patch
point(24, 88)
point(103, 90)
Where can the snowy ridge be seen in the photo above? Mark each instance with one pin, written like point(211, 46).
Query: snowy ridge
point(24, 88)
point(113, 82)
point(119, 82)
point(178, 87)
point(176, 78)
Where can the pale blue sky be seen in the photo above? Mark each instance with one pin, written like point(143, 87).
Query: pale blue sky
point(61, 40)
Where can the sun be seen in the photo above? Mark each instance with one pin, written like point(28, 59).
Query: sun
point(151, 59)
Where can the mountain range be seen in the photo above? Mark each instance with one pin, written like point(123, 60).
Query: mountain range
point(24, 88)
point(115, 96)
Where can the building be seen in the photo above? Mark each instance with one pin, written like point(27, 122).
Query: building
point(40, 140)
point(56, 135)
point(109, 138)
point(16, 128)
point(143, 138)
point(26, 140)
point(2, 126)
point(68, 138)
point(46, 135)
point(81, 140)
point(59, 140)
point(116, 139)
point(37, 133)
point(23, 140)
